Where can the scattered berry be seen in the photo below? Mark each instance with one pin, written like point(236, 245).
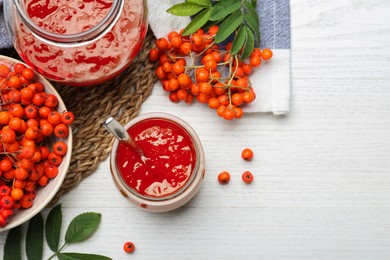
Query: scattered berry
point(247, 154)
point(247, 177)
point(224, 177)
point(129, 247)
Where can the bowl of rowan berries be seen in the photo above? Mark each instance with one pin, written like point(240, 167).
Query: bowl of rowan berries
point(35, 142)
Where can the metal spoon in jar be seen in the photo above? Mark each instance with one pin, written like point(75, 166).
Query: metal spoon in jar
point(115, 128)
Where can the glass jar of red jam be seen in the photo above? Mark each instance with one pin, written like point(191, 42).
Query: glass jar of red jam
point(174, 167)
point(81, 42)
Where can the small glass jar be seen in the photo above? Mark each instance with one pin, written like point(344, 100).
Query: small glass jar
point(156, 127)
point(80, 42)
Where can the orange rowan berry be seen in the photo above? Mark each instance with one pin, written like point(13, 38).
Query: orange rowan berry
point(213, 103)
point(178, 68)
point(256, 52)
point(160, 73)
point(202, 75)
point(266, 54)
point(195, 90)
point(17, 193)
point(247, 97)
point(223, 99)
point(237, 99)
point(247, 69)
point(255, 61)
point(167, 67)
point(173, 84)
point(247, 177)
point(129, 247)
point(213, 29)
point(154, 54)
point(162, 44)
point(184, 81)
point(176, 42)
point(205, 88)
point(173, 97)
point(182, 94)
point(186, 48)
point(228, 114)
point(172, 35)
point(242, 83)
point(238, 112)
point(210, 65)
point(247, 154)
point(224, 177)
point(202, 98)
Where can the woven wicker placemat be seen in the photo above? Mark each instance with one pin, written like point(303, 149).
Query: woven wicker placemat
point(120, 97)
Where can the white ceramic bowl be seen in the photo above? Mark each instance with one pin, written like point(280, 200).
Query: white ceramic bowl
point(44, 194)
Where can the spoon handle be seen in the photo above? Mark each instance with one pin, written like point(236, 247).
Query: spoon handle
point(115, 128)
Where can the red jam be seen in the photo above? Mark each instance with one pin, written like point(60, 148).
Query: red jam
point(67, 17)
point(84, 63)
point(171, 158)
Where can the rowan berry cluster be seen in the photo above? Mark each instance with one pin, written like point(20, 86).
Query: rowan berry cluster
point(32, 134)
point(194, 67)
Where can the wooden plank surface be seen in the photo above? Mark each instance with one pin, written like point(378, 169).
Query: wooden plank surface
point(322, 173)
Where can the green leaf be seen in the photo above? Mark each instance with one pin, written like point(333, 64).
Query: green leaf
point(53, 228)
point(251, 23)
point(200, 2)
point(34, 238)
point(254, 3)
point(224, 8)
point(196, 23)
point(252, 12)
point(82, 227)
point(239, 41)
point(228, 26)
point(12, 245)
point(185, 9)
point(249, 44)
point(81, 256)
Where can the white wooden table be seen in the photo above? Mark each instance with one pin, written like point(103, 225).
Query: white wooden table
point(322, 174)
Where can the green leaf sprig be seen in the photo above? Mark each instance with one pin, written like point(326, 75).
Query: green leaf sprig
point(234, 17)
point(79, 229)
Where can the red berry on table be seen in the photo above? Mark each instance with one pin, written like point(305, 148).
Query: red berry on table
point(247, 177)
point(224, 177)
point(129, 247)
point(247, 154)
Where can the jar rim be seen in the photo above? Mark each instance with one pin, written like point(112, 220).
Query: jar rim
point(194, 139)
point(99, 29)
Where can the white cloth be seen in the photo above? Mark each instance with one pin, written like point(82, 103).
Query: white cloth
point(271, 81)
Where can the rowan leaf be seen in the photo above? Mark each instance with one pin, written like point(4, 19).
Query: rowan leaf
point(200, 2)
point(224, 8)
point(250, 10)
point(81, 256)
point(249, 44)
point(34, 238)
point(12, 247)
point(196, 23)
point(185, 9)
point(239, 40)
point(253, 25)
point(53, 227)
point(228, 26)
point(82, 227)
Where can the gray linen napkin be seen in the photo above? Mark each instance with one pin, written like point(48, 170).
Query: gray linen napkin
point(5, 38)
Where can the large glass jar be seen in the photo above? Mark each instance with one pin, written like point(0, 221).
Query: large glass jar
point(81, 42)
